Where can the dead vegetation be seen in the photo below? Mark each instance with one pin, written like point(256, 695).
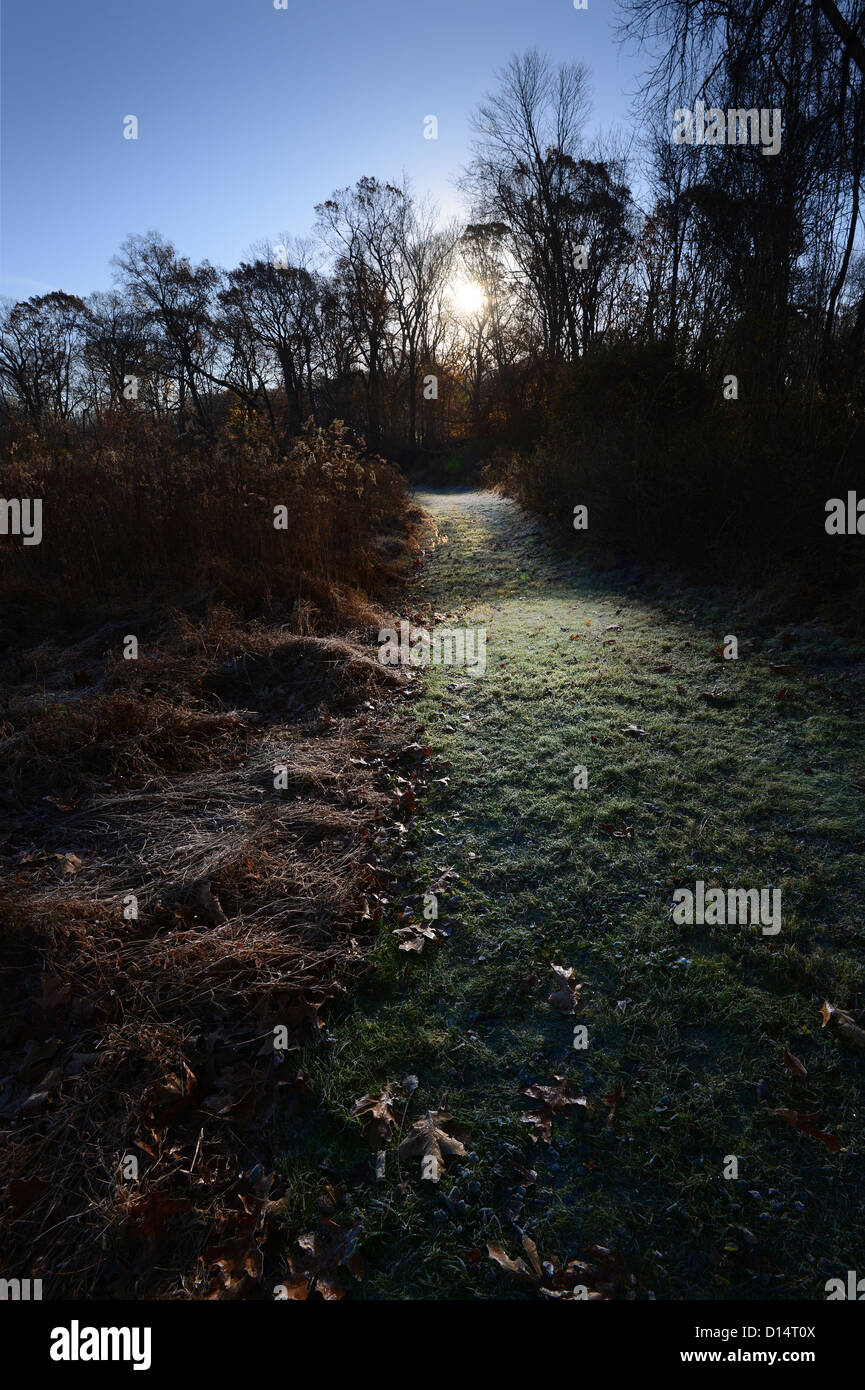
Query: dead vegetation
point(137, 517)
point(189, 845)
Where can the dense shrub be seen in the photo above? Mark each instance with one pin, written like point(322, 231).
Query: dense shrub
point(671, 470)
point(133, 513)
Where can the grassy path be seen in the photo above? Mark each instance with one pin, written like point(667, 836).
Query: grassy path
point(743, 776)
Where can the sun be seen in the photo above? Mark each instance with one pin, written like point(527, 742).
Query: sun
point(467, 296)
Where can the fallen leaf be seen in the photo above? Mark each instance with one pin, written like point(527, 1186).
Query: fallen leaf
point(596, 1275)
point(414, 938)
point(239, 1264)
point(429, 1138)
point(794, 1065)
point(567, 996)
point(168, 1100)
point(518, 1267)
point(296, 1289)
point(551, 1099)
point(807, 1124)
point(719, 697)
point(321, 1258)
point(377, 1129)
point(847, 1028)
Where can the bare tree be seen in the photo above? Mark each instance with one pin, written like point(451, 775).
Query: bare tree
point(175, 299)
point(523, 177)
point(40, 355)
point(362, 227)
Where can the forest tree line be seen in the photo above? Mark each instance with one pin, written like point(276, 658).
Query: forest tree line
point(736, 263)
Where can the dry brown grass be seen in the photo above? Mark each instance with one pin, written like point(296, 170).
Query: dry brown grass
point(152, 1035)
point(132, 516)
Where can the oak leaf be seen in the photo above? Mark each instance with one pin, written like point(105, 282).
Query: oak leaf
point(532, 1273)
point(551, 1099)
point(595, 1275)
point(429, 1139)
point(377, 1129)
point(321, 1257)
point(414, 937)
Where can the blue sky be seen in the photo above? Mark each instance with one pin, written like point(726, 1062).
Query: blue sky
point(248, 115)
